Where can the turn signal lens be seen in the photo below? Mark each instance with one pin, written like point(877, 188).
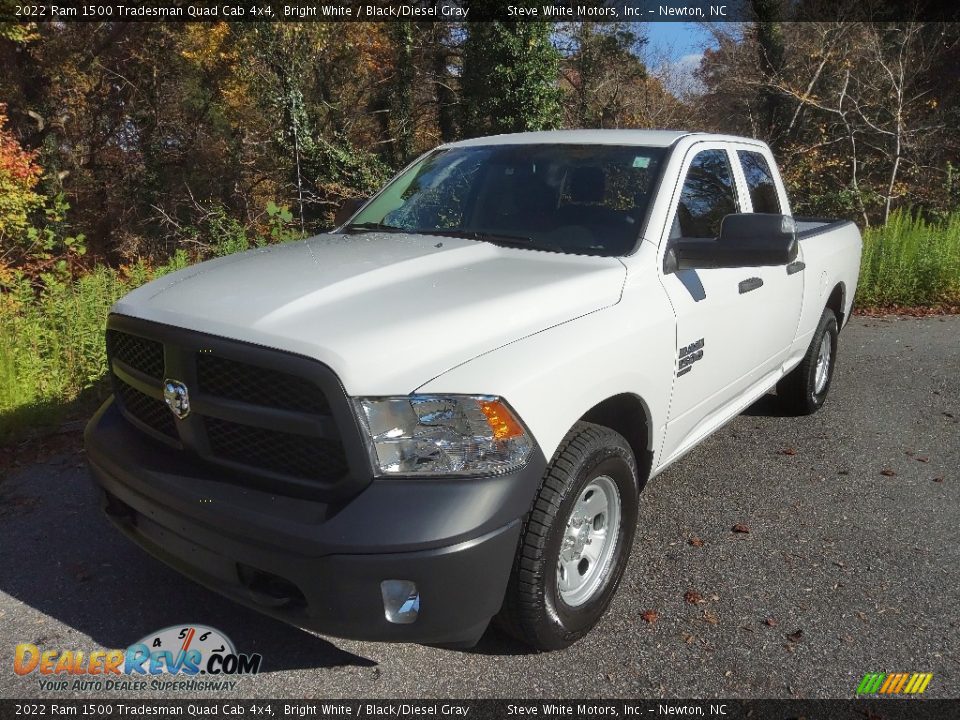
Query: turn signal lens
point(500, 420)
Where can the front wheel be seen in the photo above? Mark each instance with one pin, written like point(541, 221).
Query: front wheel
point(576, 541)
point(804, 390)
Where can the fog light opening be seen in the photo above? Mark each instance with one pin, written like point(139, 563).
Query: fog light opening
point(401, 601)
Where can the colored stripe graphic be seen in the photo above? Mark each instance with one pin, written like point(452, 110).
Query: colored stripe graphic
point(870, 683)
point(914, 682)
point(901, 681)
point(887, 683)
point(894, 683)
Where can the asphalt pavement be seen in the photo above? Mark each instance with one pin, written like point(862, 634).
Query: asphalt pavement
point(846, 560)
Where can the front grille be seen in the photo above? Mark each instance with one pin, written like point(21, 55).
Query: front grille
point(137, 352)
point(260, 386)
point(301, 456)
point(240, 395)
point(150, 411)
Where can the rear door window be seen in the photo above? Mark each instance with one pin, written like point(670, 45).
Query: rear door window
point(763, 190)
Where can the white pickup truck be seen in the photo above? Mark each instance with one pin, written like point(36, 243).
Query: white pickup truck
point(446, 409)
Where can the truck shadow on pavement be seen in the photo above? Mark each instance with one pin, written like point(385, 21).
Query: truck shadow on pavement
point(61, 557)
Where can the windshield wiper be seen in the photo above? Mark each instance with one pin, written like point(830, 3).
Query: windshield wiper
point(496, 238)
point(374, 226)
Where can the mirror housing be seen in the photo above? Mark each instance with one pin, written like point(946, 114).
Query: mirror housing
point(746, 240)
point(347, 210)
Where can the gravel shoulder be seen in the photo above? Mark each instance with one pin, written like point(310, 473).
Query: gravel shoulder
point(851, 563)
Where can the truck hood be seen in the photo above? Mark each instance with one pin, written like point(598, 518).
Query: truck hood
point(387, 312)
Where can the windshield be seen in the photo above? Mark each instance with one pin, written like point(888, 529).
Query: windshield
point(584, 199)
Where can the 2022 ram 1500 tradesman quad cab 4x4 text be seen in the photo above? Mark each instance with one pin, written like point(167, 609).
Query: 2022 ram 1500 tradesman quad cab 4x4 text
point(446, 409)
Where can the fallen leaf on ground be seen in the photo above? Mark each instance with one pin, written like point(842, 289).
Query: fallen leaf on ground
point(710, 617)
point(770, 622)
point(795, 636)
point(788, 451)
point(81, 573)
point(888, 472)
point(938, 479)
point(922, 458)
point(650, 616)
point(692, 597)
point(695, 541)
point(740, 528)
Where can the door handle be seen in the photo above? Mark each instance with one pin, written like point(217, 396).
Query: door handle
point(750, 284)
point(795, 267)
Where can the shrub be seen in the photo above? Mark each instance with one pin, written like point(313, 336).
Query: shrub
point(52, 349)
point(910, 262)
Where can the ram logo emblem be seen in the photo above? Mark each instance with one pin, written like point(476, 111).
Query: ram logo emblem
point(177, 398)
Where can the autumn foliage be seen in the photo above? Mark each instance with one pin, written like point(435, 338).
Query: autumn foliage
point(19, 175)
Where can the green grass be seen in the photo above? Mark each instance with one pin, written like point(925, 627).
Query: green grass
point(911, 263)
point(52, 356)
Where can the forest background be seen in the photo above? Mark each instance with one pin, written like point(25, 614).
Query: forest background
point(128, 150)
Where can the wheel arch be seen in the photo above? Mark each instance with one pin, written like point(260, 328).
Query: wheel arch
point(628, 415)
point(837, 301)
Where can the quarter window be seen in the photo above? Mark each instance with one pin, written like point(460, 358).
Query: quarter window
point(708, 196)
point(763, 191)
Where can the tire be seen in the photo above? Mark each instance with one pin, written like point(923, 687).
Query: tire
point(593, 464)
point(803, 391)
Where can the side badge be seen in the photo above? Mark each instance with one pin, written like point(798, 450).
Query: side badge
point(688, 356)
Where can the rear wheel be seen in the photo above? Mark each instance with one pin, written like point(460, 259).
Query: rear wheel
point(804, 390)
point(576, 541)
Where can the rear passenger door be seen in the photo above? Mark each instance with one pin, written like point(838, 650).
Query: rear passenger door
point(782, 291)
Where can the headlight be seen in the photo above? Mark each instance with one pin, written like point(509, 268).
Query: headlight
point(443, 435)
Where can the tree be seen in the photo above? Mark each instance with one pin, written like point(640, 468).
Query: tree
point(509, 81)
point(862, 114)
point(602, 74)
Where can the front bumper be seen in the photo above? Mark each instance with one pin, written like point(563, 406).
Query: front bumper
point(313, 564)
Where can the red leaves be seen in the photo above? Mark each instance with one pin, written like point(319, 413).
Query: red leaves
point(795, 636)
point(770, 622)
point(16, 163)
point(650, 616)
point(788, 451)
point(740, 528)
point(695, 541)
point(693, 597)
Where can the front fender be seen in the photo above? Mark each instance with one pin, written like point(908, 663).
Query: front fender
point(554, 377)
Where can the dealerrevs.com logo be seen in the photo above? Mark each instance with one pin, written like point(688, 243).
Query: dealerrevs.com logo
point(172, 659)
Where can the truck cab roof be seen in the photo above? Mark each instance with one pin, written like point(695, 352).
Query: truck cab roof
point(648, 138)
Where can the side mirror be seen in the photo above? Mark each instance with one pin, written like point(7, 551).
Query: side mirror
point(347, 209)
point(746, 240)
